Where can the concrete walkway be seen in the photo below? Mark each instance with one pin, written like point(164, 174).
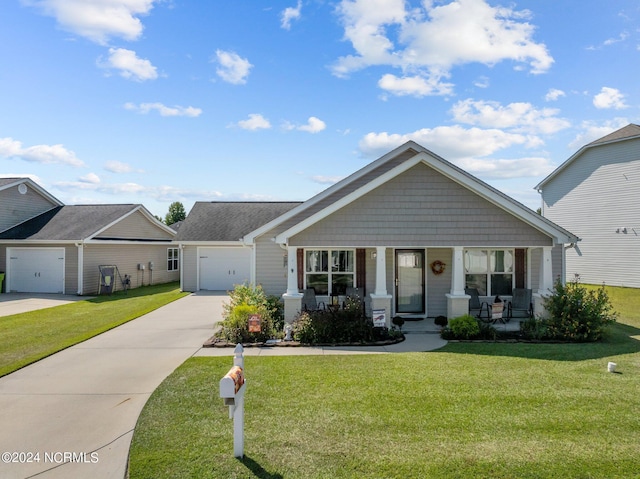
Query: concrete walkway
point(73, 414)
point(16, 303)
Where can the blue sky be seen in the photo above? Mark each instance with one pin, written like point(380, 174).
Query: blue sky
point(155, 101)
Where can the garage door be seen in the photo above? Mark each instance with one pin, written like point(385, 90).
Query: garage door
point(222, 268)
point(36, 270)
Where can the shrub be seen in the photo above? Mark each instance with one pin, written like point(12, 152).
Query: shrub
point(441, 321)
point(464, 327)
point(576, 313)
point(246, 300)
point(347, 325)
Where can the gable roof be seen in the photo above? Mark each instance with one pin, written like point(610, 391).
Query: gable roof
point(6, 183)
point(388, 167)
point(74, 223)
point(232, 219)
point(629, 132)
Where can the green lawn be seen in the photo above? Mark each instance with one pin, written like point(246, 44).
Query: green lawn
point(31, 336)
point(482, 410)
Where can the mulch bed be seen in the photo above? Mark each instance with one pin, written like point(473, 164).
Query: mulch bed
point(214, 342)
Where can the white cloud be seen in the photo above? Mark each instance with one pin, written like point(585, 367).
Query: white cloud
point(45, 154)
point(417, 86)
point(119, 167)
point(164, 110)
point(506, 169)
point(90, 178)
point(97, 20)
point(609, 98)
point(129, 191)
point(554, 94)
point(314, 125)
point(255, 122)
point(131, 67)
point(326, 180)
point(521, 117)
point(429, 41)
point(450, 142)
point(232, 68)
point(289, 14)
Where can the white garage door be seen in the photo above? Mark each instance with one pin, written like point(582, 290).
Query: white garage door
point(36, 270)
point(222, 268)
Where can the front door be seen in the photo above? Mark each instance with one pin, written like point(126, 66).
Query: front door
point(410, 281)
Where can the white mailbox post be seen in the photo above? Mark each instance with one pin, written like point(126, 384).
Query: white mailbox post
point(232, 387)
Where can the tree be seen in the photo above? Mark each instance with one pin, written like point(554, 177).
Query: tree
point(176, 213)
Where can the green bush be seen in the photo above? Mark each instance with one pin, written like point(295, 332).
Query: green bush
point(576, 313)
point(347, 325)
point(247, 300)
point(464, 327)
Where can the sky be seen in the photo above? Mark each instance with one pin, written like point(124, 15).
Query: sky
point(156, 101)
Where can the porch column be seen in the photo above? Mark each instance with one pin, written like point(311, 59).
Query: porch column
point(380, 299)
point(545, 282)
point(292, 298)
point(457, 300)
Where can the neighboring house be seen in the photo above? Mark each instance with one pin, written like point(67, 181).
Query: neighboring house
point(596, 195)
point(383, 230)
point(47, 247)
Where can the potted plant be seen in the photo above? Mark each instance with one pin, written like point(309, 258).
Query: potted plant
point(398, 321)
point(441, 321)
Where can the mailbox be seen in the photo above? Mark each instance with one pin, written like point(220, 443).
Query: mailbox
point(231, 384)
point(232, 387)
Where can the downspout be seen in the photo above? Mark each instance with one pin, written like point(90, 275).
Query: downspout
point(80, 247)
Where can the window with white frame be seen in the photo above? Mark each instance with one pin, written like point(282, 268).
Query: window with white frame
point(491, 272)
point(329, 271)
point(172, 259)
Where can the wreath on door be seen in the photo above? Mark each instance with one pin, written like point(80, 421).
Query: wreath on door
point(437, 267)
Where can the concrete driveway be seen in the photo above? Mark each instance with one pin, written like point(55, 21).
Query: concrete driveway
point(82, 403)
point(72, 415)
point(16, 303)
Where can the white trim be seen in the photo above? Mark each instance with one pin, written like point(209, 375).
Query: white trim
point(36, 187)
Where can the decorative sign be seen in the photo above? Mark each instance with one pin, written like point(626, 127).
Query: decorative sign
point(254, 323)
point(379, 318)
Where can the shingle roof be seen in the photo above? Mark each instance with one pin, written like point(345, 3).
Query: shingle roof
point(628, 131)
point(68, 223)
point(229, 221)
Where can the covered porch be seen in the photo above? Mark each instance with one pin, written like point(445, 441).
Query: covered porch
point(418, 283)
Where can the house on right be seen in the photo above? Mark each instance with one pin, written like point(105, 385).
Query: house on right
point(596, 195)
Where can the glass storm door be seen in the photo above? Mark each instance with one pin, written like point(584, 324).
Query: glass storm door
point(410, 281)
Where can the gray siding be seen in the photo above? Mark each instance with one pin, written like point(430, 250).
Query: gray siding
point(438, 285)
point(190, 268)
point(271, 266)
point(135, 226)
point(421, 208)
point(594, 197)
point(126, 258)
point(17, 208)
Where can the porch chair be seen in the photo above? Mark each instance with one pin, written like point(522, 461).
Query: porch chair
point(309, 301)
point(480, 310)
point(521, 304)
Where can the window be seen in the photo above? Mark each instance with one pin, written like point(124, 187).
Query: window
point(490, 271)
point(172, 259)
point(329, 271)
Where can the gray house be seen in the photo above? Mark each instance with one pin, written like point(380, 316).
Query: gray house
point(49, 247)
point(410, 230)
point(595, 194)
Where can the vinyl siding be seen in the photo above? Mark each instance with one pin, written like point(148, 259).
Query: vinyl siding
point(438, 285)
point(421, 207)
point(126, 258)
point(593, 197)
point(271, 267)
point(190, 268)
point(17, 208)
point(135, 226)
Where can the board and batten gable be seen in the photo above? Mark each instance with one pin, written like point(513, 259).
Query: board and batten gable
point(421, 208)
point(596, 198)
point(19, 207)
